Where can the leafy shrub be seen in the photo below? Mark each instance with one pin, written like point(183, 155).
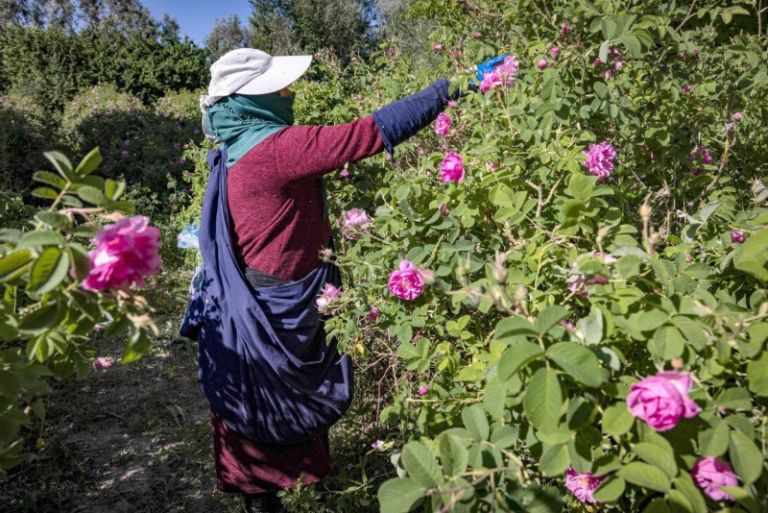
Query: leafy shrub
point(553, 291)
point(23, 131)
point(47, 317)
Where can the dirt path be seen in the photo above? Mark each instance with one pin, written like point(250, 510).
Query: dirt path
point(129, 439)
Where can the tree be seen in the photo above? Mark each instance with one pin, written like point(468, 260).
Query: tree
point(289, 26)
point(227, 34)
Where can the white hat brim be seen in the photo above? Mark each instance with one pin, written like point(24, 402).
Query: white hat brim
point(283, 72)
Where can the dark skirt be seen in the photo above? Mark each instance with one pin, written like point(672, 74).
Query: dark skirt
point(246, 466)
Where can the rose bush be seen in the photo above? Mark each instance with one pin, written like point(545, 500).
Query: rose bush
point(594, 336)
point(55, 295)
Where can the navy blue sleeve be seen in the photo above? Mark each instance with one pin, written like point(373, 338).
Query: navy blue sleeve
point(401, 119)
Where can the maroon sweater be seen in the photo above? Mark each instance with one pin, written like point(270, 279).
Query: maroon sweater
point(277, 210)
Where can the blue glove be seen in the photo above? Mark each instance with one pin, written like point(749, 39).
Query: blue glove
point(401, 119)
point(489, 65)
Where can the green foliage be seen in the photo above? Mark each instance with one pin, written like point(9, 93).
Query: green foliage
point(47, 319)
point(524, 394)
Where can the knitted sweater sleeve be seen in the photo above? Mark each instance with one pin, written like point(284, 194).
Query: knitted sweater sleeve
point(303, 152)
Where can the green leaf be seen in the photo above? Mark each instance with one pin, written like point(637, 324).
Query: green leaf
point(48, 270)
point(734, 399)
point(657, 457)
point(611, 489)
point(399, 495)
point(113, 189)
point(494, 397)
point(657, 506)
point(515, 357)
point(41, 238)
point(746, 458)
point(590, 328)
point(421, 465)
point(513, 327)
point(667, 343)
point(453, 455)
point(45, 193)
point(645, 476)
point(89, 163)
point(617, 420)
point(714, 441)
point(54, 220)
point(743, 497)
point(580, 186)
point(578, 362)
point(752, 258)
point(13, 262)
point(504, 437)
point(60, 163)
point(41, 318)
point(757, 374)
point(543, 400)
point(550, 317)
point(49, 178)
point(555, 460)
point(91, 194)
point(476, 423)
point(684, 483)
point(604, 47)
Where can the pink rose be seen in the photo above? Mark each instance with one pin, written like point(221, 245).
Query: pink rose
point(542, 63)
point(344, 173)
point(452, 168)
point(503, 74)
point(662, 400)
point(125, 253)
point(443, 209)
point(423, 390)
point(377, 445)
point(583, 485)
point(738, 116)
point(738, 237)
point(617, 65)
point(407, 282)
point(355, 224)
point(390, 52)
point(554, 52)
point(456, 53)
point(710, 474)
point(327, 297)
point(437, 47)
point(687, 88)
point(565, 30)
point(102, 363)
point(600, 159)
point(373, 313)
point(443, 124)
point(607, 73)
point(476, 34)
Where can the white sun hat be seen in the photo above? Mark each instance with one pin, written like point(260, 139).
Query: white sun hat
point(251, 71)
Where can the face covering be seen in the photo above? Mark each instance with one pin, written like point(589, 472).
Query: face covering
point(242, 121)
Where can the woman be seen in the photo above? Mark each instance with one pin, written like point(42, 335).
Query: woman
point(274, 383)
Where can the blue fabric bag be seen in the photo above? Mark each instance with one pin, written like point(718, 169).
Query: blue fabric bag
point(264, 362)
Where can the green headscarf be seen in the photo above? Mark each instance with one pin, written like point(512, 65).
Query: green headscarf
point(242, 121)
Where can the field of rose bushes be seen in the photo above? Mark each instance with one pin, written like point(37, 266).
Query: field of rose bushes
point(559, 292)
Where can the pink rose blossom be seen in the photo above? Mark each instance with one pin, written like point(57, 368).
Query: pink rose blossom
point(554, 52)
point(344, 173)
point(700, 156)
point(443, 210)
point(377, 445)
point(456, 53)
point(407, 282)
point(662, 400)
point(492, 167)
point(452, 168)
point(125, 253)
point(687, 88)
point(617, 65)
point(437, 47)
point(607, 73)
point(600, 159)
point(453, 104)
point(738, 116)
point(503, 74)
point(580, 284)
point(565, 30)
point(738, 237)
point(443, 124)
point(355, 224)
point(542, 63)
point(390, 52)
point(597, 62)
point(103, 363)
point(423, 390)
point(373, 313)
point(476, 34)
point(569, 325)
point(607, 258)
point(324, 300)
point(583, 485)
point(710, 474)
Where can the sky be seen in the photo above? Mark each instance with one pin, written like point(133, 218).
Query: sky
point(196, 17)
